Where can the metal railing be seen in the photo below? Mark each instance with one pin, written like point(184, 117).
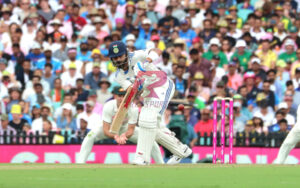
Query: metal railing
point(76, 137)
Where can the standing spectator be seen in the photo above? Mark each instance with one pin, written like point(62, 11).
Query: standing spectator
point(66, 121)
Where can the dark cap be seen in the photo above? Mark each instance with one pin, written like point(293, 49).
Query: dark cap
point(92, 93)
point(63, 38)
point(220, 84)
point(194, 51)
point(118, 91)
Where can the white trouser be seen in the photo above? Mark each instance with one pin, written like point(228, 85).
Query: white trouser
point(150, 125)
point(97, 134)
point(289, 143)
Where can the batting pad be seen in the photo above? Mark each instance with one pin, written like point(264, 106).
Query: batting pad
point(167, 139)
point(145, 142)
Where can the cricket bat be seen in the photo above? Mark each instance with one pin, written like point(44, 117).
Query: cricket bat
point(123, 109)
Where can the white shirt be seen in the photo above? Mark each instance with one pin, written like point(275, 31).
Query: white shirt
point(78, 64)
point(37, 125)
point(94, 120)
point(267, 119)
point(110, 109)
point(67, 80)
point(258, 35)
point(166, 68)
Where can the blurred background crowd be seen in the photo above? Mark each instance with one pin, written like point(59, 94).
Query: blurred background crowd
point(56, 75)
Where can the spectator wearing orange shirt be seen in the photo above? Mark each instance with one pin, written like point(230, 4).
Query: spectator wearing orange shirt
point(235, 79)
point(205, 125)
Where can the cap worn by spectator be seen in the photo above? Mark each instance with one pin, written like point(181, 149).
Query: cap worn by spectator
point(198, 76)
point(118, 91)
point(233, 21)
point(155, 38)
point(130, 43)
point(215, 41)
point(192, 6)
point(97, 19)
point(104, 81)
point(92, 93)
point(4, 117)
point(96, 64)
point(5, 73)
point(256, 60)
point(142, 5)
point(281, 63)
point(120, 20)
point(293, 29)
point(249, 75)
point(16, 109)
point(283, 105)
point(67, 106)
point(222, 23)
point(33, 15)
point(220, 84)
point(249, 123)
point(6, 9)
point(184, 21)
point(90, 103)
point(36, 45)
point(72, 50)
point(232, 63)
point(196, 40)
point(146, 21)
point(92, 12)
point(260, 97)
point(232, 8)
point(278, 8)
point(72, 66)
point(296, 71)
point(240, 43)
point(96, 51)
point(37, 106)
point(130, 37)
point(56, 22)
point(237, 97)
point(289, 42)
point(222, 6)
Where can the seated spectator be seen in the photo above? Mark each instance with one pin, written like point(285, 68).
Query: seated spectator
point(259, 125)
point(296, 80)
point(17, 122)
point(290, 53)
point(282, 75)
point(283, 126)
point(67, 99)
point(14, 97)
point(251, 89)
point(266, 55)
point(103, 94)
point(256, 67)
point(38, 97)
point(46, 86)
point(36, 112)
point(202, 92)
point(48, 59)
point(283, 108)
point(205, 125)
point(47, 127)
point(242, 54)
point(57, 93)
point(238, 115)
point(72, 53)
point(4, 126)
point(69, 77)
point(84, 54)
point(235, 79)
point(62, 53)
point(82, 93)
point(165, 65)
point(37, 124)
point(66, 121)
point(48, 76)
point(269, 95)
point(263, 111)
point(92, 79)
point(180, 82)
point(93, 118)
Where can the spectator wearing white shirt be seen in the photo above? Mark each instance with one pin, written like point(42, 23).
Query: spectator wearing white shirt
point(37, 124)
point(296, 80)
point(69, 77)
point(72, 53)
point(165, 65)
point(93, 118)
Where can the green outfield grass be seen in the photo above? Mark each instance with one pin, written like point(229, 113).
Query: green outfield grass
point(127, 176)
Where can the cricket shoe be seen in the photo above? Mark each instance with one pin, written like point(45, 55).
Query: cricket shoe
point(176, 160)
point(139, 161)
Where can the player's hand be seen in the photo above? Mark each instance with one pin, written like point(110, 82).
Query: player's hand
point(123, 138)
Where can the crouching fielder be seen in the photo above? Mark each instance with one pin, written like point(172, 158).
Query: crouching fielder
point(128, 131)
point(136, 68)
point(290, 141)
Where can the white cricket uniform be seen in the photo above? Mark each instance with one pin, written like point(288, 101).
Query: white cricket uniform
point(157, 89)
point(109, 111)
point(290, 141)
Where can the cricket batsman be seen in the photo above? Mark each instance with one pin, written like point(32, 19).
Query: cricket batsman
point(290, 141)
point(137, 70)
point(128, 131)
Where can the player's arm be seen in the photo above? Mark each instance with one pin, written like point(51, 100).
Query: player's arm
point(106, 127)
point(129, 131)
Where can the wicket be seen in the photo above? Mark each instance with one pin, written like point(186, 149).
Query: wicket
point(215, 122)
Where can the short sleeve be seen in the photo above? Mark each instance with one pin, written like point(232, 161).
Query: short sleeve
point(107, 115)
point(133, 113)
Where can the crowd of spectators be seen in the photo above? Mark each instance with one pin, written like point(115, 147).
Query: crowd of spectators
point(56, 75)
